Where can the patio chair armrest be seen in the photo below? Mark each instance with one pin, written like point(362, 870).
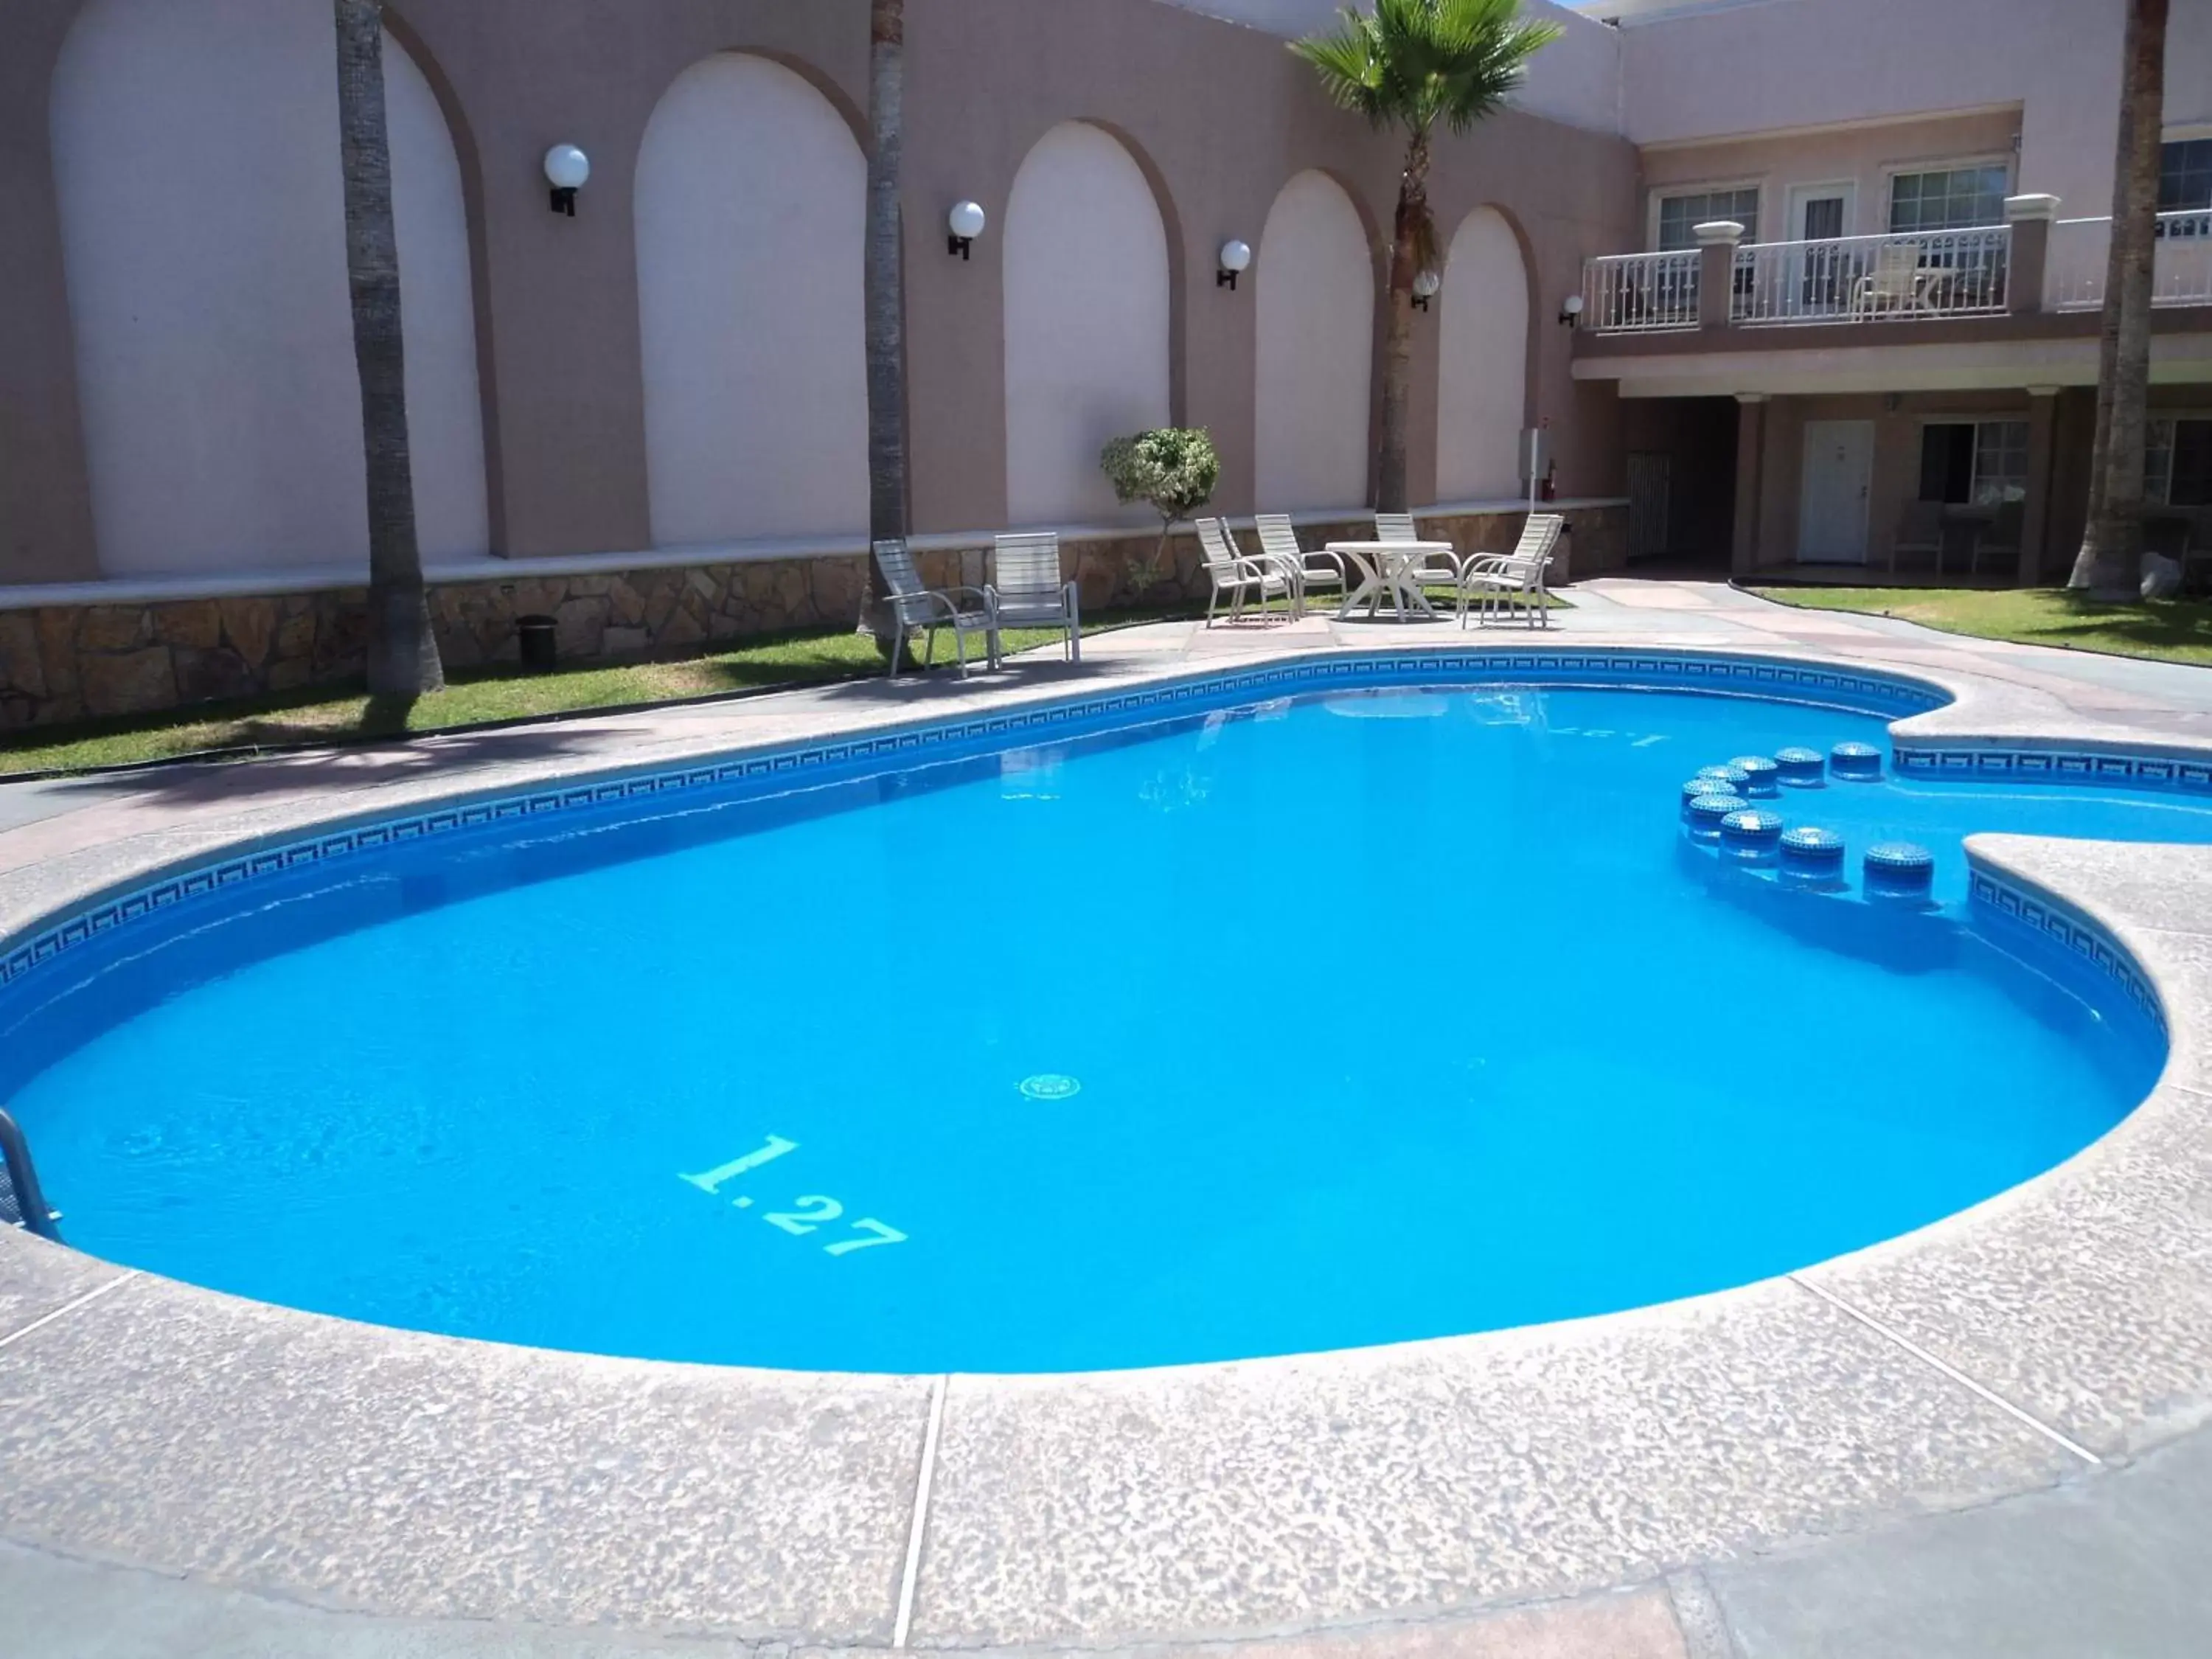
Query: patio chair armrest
point(1323, 556)
point(927, 602)
point(945, 600)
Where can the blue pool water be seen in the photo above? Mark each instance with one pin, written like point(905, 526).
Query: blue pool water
point(1362, 1018)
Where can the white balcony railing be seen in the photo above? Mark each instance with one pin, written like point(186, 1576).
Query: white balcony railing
point(2181, 268)
point(1641, 292)
point(1919, 276)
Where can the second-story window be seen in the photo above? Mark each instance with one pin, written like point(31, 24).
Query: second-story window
point(1680, 216)
point(2185, 185)
point(1950, 198)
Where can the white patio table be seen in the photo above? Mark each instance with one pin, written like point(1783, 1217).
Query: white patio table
point(1386, 574)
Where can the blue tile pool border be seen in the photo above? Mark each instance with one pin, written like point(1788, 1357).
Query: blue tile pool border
point(799, 764)
point(2113, 768)
point(2056, 923)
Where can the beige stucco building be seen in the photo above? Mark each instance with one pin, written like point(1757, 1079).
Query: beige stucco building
point(648, 418)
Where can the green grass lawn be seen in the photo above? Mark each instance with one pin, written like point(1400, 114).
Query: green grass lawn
point(319, 717)
point(2168, 630)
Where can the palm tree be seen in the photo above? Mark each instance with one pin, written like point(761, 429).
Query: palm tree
point(1411, 64)
point(2111, 560)
point(403, 651)
point(884, 299)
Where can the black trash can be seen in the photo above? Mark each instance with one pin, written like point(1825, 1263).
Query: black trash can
point(540, 653)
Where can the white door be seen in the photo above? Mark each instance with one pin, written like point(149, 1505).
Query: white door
point(1821, 274)
point(1831, 501)
point(1820, 213)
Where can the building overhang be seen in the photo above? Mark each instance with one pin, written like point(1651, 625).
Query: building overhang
point(1779, 362)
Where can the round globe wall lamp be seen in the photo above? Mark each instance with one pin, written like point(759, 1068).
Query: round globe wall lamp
point(566, 169)
point(1426, 286)
point(1236, 260)
point(966, 221)
point(1570, 311)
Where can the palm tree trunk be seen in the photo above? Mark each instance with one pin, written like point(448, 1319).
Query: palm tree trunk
point(2111, 560)
point(1411, 239)
point(403, 650)
point(885, 298)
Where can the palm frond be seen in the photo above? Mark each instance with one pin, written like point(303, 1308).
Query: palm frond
point(1415, 62)
point(1349, 63)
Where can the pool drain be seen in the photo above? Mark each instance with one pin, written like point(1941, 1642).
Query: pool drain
point(1050, 1085)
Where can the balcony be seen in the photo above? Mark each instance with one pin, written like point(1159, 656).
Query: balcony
point(1846, 279)
point(2181, 267)
point(2034, 264)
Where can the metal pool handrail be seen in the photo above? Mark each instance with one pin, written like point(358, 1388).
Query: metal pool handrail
point(21, 1202)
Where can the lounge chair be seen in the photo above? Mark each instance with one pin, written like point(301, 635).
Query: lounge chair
point(1515, 581)
point(1999, 539)
point(1237, 576)
point(912, 606)
point(1920, 531)
point(1026, 590)
point(1898, 282)
point(1278, 541)
point(1432, 570)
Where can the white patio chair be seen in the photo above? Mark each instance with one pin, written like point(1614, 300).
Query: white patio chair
point(1322, 569)
point(1432, 570)
point(1920, 530)
point(1898, 282)
point(1514, 582)
point(1026, 590)
point(1237, 576)
point(912, 606)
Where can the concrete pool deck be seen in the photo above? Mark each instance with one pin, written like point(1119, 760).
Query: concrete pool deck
point(1988, 1436)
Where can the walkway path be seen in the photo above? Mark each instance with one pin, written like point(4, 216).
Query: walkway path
point(2075, 1560)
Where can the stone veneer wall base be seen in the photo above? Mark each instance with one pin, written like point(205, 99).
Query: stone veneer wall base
point(63, 664)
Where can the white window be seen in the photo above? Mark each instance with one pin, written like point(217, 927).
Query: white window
point(2000, 462)
point(1952, 198)
point(1680, 216)
point(2184, 186)
point(1981, 463)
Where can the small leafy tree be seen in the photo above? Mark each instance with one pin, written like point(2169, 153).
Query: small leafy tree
point(1173, 470)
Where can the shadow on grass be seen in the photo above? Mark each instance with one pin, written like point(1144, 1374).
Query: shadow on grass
point(485, 703)
point(2180, 628)
point(386, 716)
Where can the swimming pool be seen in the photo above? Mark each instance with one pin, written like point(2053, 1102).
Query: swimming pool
point(1364, 1017)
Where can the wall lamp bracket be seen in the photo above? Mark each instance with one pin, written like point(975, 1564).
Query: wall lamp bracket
point(568, 169)
point(965, 224)
point(1234, 260)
